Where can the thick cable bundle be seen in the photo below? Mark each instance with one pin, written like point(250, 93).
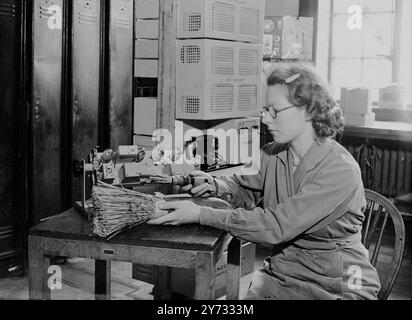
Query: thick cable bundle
point(116, 209)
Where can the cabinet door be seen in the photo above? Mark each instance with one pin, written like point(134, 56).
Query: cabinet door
point(86, 80)
point(12, 194)
point(46, 109)
point(121, 72)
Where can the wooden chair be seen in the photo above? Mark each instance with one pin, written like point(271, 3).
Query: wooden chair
point(377, 213)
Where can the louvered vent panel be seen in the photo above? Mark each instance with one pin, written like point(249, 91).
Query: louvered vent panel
point(248, 62)
point(247, 98)
point(221, 98)
point(223, 17)
point(249, 21)
point(223, 61)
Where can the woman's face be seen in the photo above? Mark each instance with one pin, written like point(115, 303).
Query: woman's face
point(289, 124)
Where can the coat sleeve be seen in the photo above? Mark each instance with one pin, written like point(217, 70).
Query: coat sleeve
point(244, 190)
point(330, 191)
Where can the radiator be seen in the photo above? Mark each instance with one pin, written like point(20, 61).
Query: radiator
point(386, 171)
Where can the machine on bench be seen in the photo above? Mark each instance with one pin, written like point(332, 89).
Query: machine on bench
point(130, 167)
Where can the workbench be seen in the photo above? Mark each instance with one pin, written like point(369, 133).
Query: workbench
point(190, 246)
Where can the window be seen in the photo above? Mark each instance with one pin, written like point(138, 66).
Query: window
point(370, 45)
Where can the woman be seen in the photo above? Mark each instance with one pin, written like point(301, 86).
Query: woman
point(311, 198)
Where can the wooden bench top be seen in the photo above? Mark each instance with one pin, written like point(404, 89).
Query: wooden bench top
point(72, 225)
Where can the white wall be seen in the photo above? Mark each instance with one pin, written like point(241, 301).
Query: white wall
point(282, 8)
point(323, 32)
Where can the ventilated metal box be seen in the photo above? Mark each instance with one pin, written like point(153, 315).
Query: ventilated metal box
point(217, 79)
point(237, 20)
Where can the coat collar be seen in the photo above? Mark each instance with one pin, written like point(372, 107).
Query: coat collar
point(316, 153)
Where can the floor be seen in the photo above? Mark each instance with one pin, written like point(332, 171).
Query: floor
point(78, 281)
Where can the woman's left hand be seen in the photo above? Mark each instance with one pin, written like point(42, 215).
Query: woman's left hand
point(183, 212)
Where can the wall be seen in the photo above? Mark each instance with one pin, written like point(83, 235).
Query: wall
point(282, 8)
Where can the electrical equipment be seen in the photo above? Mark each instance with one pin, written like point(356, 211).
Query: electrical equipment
point(292, 38)
point(144, 141)
point(202, 150)
point(223, 143)
point(217, 79)
point(221, 19)
point(238, 139)
point(129, 152)
point(98, 166)
point(391, 97)
point(140, 172)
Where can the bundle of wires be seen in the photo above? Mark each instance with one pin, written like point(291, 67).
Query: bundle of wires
point(116, 209)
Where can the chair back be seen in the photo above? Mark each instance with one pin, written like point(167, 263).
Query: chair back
point(382, 219)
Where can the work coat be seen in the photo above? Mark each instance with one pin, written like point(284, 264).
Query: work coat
point(312, 216)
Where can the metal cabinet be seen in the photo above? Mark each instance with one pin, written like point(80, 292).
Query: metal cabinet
point(12, 137)
point(86, 73)
point(121, 72)
point(46, 113)
point(66, 73)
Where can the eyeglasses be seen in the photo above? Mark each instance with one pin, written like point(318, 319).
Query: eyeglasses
point(272, 111)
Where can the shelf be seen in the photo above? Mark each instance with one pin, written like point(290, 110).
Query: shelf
point(395, 131)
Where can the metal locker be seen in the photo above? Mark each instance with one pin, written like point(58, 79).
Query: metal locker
point(121, 72)
point(12, 128)
point(46, 108)
point(86, 46)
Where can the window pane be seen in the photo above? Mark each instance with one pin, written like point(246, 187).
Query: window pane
point(407, 80)
point(377, 34)
point(342, 6)
point(359, 55)
point(346, 73)
point(347, 43)
point(377, 73)
point(379, 5)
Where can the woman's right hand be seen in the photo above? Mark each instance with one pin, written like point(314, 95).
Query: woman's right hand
point(201, 188)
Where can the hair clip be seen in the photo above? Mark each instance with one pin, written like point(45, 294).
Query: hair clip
point(292, 78)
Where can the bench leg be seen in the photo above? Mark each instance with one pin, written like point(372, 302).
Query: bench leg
point(161, 288)
point(234, 256)
point(205, 277)
point(38, 267)
point(102, 279)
